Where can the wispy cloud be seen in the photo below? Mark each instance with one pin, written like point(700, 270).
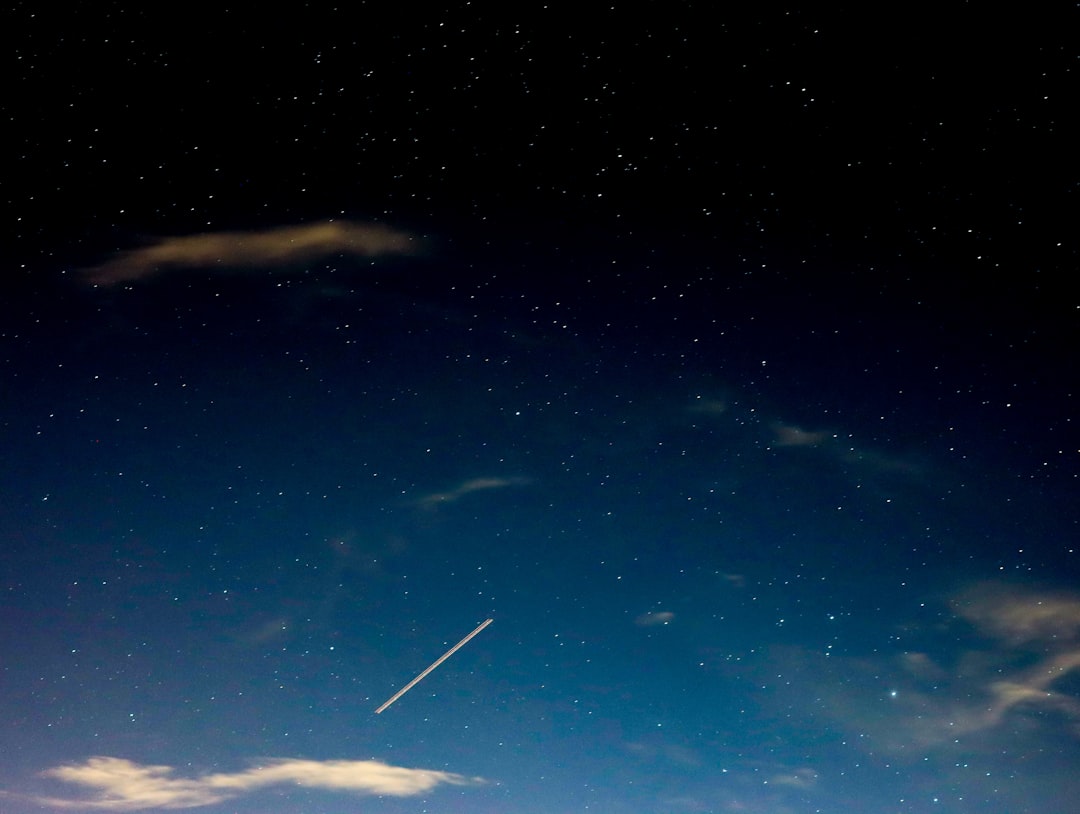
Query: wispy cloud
point(1020, 617)
point(776, 434)
point(1014, 673)
point(253, 249)
point(117, 784)
point(708, 406)
point(654, 618)
point(788, 435)
point(802, 778)
point(467, 488)
point(734, 580)
point(1028, 624)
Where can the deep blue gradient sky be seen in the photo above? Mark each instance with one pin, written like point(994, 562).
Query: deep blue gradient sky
point(726, 365)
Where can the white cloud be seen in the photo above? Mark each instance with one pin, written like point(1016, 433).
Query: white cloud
point(123, 785)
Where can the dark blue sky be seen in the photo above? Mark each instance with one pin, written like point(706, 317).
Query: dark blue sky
point(725, 364)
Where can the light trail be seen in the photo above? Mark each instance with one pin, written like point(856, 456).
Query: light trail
point(437, 662)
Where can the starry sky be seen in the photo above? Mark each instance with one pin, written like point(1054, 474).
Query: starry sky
point(725, 359)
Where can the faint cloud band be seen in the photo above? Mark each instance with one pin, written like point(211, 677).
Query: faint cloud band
point(263, 248)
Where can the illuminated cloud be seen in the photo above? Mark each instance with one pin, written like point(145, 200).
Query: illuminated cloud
point(653, 619)
point(467, 488)
point(123, 785)
point(255, 249)
point(1028, 621)
point(1020, 616)
point(1015, 674)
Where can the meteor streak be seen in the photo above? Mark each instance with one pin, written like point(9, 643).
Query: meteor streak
point(437, 662)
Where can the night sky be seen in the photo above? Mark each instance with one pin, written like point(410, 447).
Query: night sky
point(726, 360)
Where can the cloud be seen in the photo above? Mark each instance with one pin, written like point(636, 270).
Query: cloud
point(777, 434)
point(264, 248)
point(788, 435)
point(1020, 617)
point(652, 619)
point(923, 668)
point(1014, 675)
point(467, 488)
point(709, 406)
point(734, 580)
point(123, 785)
point(803, 778)
point(1025, 622)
